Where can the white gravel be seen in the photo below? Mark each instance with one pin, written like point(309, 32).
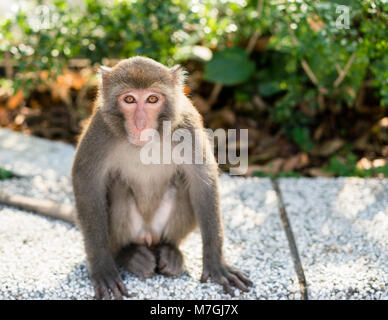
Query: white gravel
point(42, 258)
point(341, 230)
point(340, 226)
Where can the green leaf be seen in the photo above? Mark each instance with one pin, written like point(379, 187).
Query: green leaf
point(283, 174)
point(301, 136)
point(229, 67)
point(5, 174)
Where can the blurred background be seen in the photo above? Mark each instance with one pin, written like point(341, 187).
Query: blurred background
point(309, 79)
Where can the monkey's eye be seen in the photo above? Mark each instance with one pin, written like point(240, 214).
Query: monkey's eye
point(152, 99)
point(129, 99)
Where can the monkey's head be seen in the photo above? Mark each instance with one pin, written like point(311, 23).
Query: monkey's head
point(138, 94)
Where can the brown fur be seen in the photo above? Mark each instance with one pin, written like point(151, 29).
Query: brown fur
point(136, 214)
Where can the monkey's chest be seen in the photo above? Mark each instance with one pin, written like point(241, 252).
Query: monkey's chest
point(128, 225)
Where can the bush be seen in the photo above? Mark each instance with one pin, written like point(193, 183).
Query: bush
point(46, 37)
point(295, 64)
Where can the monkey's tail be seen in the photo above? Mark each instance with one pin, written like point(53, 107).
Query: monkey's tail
point(46, 207)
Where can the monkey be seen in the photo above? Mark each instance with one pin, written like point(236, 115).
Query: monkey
point(135, 215)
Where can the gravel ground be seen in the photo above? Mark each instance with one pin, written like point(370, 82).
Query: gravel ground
point(340, 226)
point(42, 258)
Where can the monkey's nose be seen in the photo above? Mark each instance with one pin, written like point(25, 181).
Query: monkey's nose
point(140, 123)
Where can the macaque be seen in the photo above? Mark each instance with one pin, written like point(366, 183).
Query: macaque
point(133, 214)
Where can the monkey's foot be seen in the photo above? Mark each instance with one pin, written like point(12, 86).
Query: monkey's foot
point(139, 260)
point(107, 280)
point(170, 260)
point(226, 276)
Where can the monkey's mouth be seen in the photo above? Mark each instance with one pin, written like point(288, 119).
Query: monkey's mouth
point(138, 140)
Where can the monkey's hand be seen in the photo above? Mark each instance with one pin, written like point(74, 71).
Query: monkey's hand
point(226, 276)
point(105, 280)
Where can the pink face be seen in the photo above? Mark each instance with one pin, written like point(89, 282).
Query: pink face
point(140, 108)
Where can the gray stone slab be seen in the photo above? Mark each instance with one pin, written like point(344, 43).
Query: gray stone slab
point(29, 155)
point(41, 258)
point(341, 230)
point(44, 164)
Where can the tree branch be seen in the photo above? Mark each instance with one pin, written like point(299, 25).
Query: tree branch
point(46, 207)
point(306, 66)
point(257, 33)
point(342, 73)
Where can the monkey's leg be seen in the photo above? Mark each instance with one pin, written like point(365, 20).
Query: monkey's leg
point(181, 223)
point(170, 260)
point(138, 259)
point(205, 201)
point(90, 193)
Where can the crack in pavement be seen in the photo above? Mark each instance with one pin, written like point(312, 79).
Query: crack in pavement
point(291, 241)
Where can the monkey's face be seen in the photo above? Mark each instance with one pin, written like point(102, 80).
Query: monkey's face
point(140, 108)
point(139, 94)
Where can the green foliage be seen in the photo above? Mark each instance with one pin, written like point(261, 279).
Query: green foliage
point(301, 33)
point(383, 170)
point(348, 168)
point(225, 23)
point(230, 66)
point(125, 28)
point(301, 136)
point(344, 168)
point(46, 37)
point(308, 32)
point(284, 174)
point(5, 174)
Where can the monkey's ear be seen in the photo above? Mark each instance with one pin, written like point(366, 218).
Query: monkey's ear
point(104, 75)
point(178, 74)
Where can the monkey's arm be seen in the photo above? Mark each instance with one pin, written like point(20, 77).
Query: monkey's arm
point(46, 207)
point(89, 184)
point(204, 197)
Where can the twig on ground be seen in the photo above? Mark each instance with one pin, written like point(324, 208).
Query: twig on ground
point(342, 73)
